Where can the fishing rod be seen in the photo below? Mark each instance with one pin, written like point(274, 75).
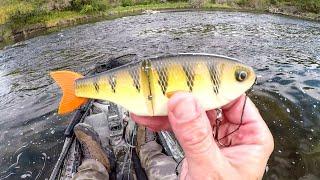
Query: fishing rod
point(78, 117)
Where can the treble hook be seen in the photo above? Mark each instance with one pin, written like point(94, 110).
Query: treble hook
point(218, 124)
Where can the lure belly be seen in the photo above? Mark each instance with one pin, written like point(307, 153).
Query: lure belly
point(144, 88)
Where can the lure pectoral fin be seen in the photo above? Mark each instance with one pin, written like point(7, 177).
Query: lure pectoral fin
point(69, 101)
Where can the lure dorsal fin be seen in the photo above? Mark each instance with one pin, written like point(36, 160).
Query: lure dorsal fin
point(69, 101)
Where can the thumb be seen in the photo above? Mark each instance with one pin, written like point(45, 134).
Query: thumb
point(192, 128)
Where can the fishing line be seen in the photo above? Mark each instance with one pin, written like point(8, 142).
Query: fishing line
point(218, 123)
point(131, 148)
point(178, 165)
point(128, 156)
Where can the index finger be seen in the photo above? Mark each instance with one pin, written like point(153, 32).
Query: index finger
point(243, 108)
point(253, 129)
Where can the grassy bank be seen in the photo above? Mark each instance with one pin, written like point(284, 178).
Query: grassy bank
point(25, 20)
point(20, 19)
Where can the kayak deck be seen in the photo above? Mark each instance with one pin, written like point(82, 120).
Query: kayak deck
point(108, 121)
point(117, 131)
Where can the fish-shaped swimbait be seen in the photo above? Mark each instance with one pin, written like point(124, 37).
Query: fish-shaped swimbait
point(144, 88)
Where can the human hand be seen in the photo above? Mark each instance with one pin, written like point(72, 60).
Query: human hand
point(245, 158)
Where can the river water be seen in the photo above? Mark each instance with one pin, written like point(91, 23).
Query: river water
point(284, 52)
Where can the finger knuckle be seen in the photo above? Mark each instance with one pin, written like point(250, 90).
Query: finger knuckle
point(195, 137)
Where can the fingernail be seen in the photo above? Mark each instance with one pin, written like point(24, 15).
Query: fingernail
point(186, 109)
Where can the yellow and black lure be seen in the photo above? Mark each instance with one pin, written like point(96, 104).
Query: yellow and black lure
point(144, 88)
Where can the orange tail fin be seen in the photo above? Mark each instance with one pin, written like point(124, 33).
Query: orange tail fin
point(69, 101)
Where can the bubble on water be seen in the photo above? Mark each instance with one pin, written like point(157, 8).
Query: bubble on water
point(302, 90)
point(23, 176)
point(293, 162)
point(310, 138)
point(288, 110)
point(279, 151)
point(314, 106)
point(312, 130)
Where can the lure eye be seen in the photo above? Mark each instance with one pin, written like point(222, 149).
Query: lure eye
point(241, 75)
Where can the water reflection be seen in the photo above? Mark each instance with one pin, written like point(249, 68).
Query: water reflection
point(284, 52)
point(295, 128)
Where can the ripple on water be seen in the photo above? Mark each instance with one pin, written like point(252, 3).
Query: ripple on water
point(312, 83)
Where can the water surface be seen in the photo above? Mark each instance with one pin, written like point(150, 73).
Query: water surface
point(284, 52)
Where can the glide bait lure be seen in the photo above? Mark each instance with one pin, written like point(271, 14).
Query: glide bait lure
point(144, 87)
